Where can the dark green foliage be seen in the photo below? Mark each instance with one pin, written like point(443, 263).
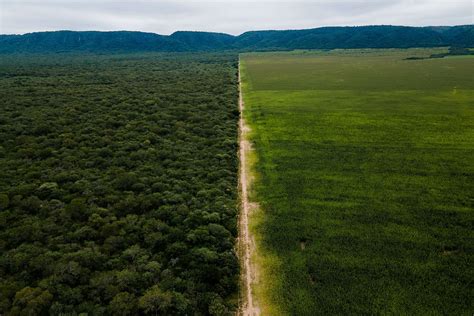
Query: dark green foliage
point(454, 51)
point(118, 188)
point(124, 304)
point(4, 200)
point(384, 36)
point(31, 301)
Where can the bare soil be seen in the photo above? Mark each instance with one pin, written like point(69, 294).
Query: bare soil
point(247, 246)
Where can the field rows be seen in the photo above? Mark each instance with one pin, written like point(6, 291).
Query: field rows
point(365, 165)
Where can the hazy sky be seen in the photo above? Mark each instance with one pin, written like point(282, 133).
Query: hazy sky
point(235, 17)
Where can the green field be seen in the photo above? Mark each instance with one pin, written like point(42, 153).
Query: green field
point(365, 177)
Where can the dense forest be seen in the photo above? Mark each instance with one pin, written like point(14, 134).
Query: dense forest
point(383, 36)
point(118, 193)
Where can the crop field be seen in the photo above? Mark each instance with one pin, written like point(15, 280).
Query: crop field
point(364, 168)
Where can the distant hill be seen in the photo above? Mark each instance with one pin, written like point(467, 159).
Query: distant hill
point(203, 40)
point(318, 38)
point(358, 37)
point(88, 41)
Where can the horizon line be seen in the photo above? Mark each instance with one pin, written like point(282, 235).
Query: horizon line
point(235, 35)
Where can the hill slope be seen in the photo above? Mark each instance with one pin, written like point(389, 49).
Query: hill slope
point(88, 41)
point(203, 40)
point(318, 38)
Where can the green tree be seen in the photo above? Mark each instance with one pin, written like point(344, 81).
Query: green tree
point(4, 201)
point(124, 304)
point(155, 301)
point(217, 306)
point(77, 209)
point(31, 302)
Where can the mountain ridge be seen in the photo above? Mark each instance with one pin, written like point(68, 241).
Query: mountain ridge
point(330, 37)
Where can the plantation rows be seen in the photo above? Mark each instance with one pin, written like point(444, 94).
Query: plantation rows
point(364, 177)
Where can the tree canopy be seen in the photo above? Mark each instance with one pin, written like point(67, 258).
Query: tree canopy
point(118, 188)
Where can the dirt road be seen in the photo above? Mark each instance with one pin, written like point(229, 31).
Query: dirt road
point(248, 307)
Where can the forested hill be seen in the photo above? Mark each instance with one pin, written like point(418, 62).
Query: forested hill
point(318, 38)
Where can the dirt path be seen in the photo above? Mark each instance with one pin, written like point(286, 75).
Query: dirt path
point(248, 307)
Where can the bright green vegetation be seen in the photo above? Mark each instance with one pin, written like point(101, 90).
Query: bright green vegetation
point(365, 168)
point(118, 184)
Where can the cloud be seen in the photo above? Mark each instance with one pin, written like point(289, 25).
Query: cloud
point(167, 16)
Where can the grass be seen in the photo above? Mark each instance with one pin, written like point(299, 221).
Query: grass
point(365, 165)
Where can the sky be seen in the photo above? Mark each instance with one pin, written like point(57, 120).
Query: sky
point(233, 17)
